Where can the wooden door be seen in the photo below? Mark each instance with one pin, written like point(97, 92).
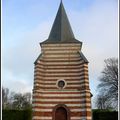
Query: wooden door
point(61, 114)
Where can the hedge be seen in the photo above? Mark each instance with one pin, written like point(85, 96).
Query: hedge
point(27, 115)
point(104, 115)
point(16, 115)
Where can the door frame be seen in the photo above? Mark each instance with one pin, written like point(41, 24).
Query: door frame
point(61, 105)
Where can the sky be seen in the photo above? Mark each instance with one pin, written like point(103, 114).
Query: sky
point(26, 23)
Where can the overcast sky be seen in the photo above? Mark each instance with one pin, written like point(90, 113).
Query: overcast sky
point(26, 23)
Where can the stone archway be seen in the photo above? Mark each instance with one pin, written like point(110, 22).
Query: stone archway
point(61, 112)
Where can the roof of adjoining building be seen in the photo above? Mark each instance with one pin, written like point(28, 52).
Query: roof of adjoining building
point(83, 57)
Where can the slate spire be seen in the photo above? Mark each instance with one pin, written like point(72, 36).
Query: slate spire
point(61, 31)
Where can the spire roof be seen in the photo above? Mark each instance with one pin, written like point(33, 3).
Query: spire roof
point(61, 31)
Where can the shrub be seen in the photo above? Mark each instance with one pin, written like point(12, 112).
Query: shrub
point(105, 115)
point(16, 115)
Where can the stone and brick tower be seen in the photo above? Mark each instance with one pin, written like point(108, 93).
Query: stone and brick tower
point(61, 86)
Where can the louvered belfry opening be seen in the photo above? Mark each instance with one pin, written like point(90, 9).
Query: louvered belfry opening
point(61, 76)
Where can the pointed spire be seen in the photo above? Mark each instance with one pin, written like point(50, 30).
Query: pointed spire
point(61, 31)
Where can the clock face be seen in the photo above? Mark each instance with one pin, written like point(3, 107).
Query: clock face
point(61, 84)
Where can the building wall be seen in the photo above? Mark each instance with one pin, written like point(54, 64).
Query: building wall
point(61, 62)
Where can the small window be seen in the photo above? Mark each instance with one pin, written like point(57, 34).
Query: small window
point(61, 84)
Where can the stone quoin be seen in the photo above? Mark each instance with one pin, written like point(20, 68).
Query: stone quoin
point(61, 83)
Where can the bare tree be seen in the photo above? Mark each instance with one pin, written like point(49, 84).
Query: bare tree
point(5, 98)
point(103, 102)
point(21, 101)
point(27, 100)
point(108, 87)
point(12, 100)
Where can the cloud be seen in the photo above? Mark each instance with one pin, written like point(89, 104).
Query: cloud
point(97, 28)
point(18, 61)
point(15, 83)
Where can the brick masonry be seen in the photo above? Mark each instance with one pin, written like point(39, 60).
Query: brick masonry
point(61, 62)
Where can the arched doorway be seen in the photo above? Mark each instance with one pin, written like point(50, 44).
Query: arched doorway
point(60, 113)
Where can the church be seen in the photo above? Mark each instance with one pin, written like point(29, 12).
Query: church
point(61, 82)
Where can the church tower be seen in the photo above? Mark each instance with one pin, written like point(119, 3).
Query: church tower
point(61, 84)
